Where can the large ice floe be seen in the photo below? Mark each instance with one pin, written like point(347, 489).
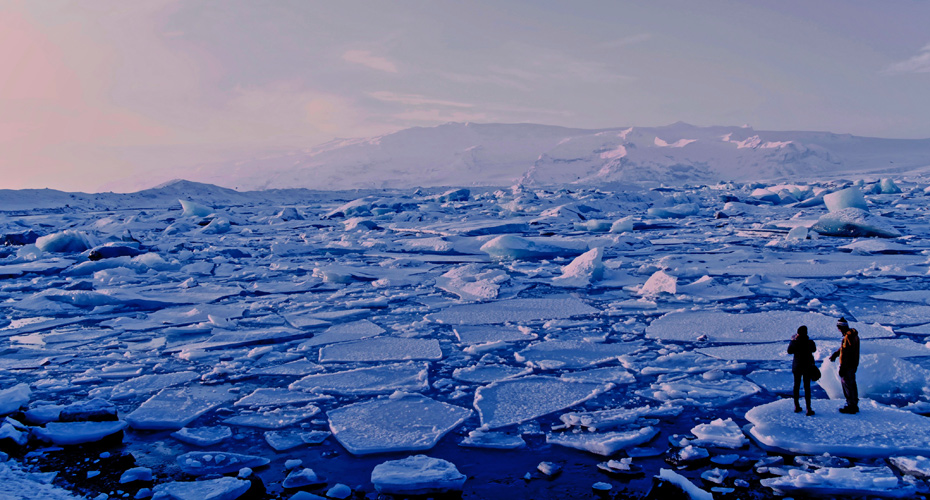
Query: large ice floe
point(876, 431)
point(279, 341)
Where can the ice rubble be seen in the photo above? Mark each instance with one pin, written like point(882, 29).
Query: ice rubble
point(401, 422)
point(417, 475)
point(224, 488)
point(721, 433)
point(583, 270)
point(839, 482)
point(14, 397)
point(876, 431)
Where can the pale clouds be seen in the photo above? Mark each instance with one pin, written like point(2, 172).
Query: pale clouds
point(416, 100)
point(920, 63)
point(366, 58)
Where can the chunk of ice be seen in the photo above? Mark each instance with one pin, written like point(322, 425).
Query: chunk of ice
point(878, 375)
point(845, 198)
point(70, 433)
point(719, 432)
point(516, 401)
point(558, 354)
point(854, 222)
point(174, 408)
point(223, 488)
point(12, 398)
point(417, 475)
point(604, 444)
point(513, 310)
point(493, 440)
point(201, 463)
point(837, 482)
point(510, 247)
point(381, 349)
point(374, 380)
point(405, 423)
point(583, 270)
point(203, 436)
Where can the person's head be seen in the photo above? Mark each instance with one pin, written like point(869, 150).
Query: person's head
point(802, 331)
point(842, 325)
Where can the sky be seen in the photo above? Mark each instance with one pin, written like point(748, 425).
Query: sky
point(95, 92)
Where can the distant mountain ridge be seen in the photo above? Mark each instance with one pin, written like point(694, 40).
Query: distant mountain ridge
point(471, 154)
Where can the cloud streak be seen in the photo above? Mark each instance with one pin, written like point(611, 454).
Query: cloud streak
point(369, 60)
point(920, 63)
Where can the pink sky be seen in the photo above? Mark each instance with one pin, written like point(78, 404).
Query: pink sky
point(110, 94)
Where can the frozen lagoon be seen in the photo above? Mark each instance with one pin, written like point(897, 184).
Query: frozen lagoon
point(401, 336)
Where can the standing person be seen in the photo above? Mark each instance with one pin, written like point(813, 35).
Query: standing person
point(849, 363)
point(803, 348)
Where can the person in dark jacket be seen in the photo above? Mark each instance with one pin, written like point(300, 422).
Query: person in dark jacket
point(849, 363)
point(803, 348)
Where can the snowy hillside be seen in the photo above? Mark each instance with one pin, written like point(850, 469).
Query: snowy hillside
point(469, 154)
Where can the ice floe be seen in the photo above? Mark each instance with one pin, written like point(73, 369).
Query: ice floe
point(513, 310)
point(877, 430)
point(381, 349)
point(408, 376)
point(397, 423)
point(516, 401)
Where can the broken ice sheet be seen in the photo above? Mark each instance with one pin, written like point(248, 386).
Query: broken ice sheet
point(175, 408)
point(273, 396)
point(837, 482)
point(298, 368)
point(201, 463)
point(203, 436)
point(516, 401)
point(381, 349)
point(612, 374)
point(273, 419)
point(513, 310)
point(485, 374)
point(761, 327)
point(398, 423)
point(355, 330)
point(558, 354)
point(697, 390)
point(147, 384)
point(480, 334)
point(603, 443)
point(372, 380)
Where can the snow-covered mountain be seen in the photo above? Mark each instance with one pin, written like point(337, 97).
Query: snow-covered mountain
point(470, 154)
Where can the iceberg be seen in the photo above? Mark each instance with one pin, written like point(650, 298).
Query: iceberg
point(845, 198)
point(854, 223)
point(510, 247)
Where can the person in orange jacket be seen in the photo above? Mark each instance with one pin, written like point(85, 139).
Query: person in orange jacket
point(849, 363)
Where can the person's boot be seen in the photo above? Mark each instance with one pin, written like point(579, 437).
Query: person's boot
point(849, 410)
point(810, 411)
point(797, 407)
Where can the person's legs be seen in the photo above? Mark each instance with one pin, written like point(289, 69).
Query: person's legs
point(807, 394)
point(797, 391)
point(850, 392)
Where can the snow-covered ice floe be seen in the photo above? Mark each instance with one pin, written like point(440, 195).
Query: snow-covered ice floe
point(842, 482)
point(516, 401)
point(876, 431)
point(401, 422)
point(417, 475)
